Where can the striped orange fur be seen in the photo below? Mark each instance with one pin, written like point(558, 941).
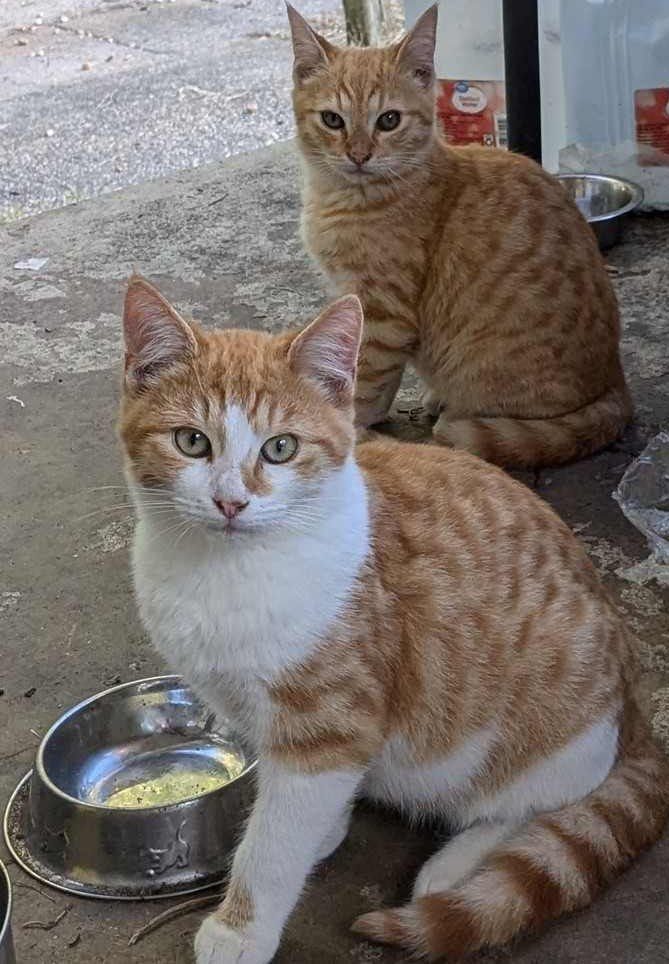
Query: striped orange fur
point(471, 263)
point(401, 622)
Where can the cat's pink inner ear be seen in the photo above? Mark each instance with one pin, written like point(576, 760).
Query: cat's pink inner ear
point(310, 49)
point(155, 334)
point(416, 50)
point(326, 352)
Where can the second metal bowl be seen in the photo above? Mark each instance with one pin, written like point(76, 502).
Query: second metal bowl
point(137, 792)
point(6, 944)
point(605, 202)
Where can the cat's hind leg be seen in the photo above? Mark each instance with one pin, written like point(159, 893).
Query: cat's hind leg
point(459, 857)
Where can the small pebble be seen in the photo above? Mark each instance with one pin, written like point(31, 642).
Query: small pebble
point(50, 132)
point(30, 692)
point(64, 19)
point(86, 65)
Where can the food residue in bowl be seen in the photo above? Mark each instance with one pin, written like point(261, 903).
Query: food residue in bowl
point(177, 784)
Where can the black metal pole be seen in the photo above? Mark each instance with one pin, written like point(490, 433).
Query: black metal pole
point(521, 63)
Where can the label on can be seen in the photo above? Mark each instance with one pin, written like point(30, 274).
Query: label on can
point(473, 111)
point(651, 110)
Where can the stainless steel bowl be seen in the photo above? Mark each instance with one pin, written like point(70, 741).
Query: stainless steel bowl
point(6, 944)
point(605, 202)
point(138, 792)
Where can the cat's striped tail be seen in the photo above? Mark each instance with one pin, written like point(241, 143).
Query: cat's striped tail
point(538, 442)
point(555, 864)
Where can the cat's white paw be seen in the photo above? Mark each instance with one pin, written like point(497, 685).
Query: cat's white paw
point(216, 943)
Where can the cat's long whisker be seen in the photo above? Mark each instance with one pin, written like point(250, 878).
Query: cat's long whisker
point(85, 492)
point(100, 488)
point(396, 179)
point(171, 528)
point(189, 528)
point(124, 505)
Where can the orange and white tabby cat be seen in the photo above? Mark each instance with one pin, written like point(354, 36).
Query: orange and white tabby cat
point(471, 263)
point(401, 622)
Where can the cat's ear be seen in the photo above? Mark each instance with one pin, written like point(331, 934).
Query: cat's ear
point(156, 336)
point(415, 53)
point(326, 352)
point(311, 50)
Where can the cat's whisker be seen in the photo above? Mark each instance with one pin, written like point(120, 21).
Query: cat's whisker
point(189, 528)
point(172, 528)
point(78, 496)
point(128, 506)
point(101, 488)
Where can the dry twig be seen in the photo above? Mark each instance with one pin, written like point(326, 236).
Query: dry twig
point(171, 913)
point(19, 883)
point(39, 925)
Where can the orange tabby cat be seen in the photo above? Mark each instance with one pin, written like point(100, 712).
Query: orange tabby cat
point(471, 263)
point(400, 622)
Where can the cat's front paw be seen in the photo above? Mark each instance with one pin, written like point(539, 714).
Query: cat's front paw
point(217, 943)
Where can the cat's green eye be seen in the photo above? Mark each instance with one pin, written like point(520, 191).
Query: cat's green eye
point(389, 120)
point(281, 448)
point(192, 443)
point(334, 121)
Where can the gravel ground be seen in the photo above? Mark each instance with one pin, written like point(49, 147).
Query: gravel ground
point(99, 94)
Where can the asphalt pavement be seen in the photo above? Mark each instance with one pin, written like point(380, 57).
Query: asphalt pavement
point(100, 94)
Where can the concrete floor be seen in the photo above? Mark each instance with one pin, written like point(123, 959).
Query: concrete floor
point(222, 242)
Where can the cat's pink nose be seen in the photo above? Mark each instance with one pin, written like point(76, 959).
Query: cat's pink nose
point(359, 157)
point(230, 509)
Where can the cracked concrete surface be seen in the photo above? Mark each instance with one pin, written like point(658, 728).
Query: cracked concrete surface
point(222, 242)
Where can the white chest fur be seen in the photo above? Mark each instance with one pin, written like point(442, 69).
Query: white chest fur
point(230, 613)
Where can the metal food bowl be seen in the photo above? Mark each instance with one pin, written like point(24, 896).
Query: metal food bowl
point(605, 202)
point(136, 793)
point(6, 944)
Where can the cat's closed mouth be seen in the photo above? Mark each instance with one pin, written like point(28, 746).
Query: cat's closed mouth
point(224, 526)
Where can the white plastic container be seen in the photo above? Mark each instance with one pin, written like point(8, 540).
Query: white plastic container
point(615, 79)
point(604, 68)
